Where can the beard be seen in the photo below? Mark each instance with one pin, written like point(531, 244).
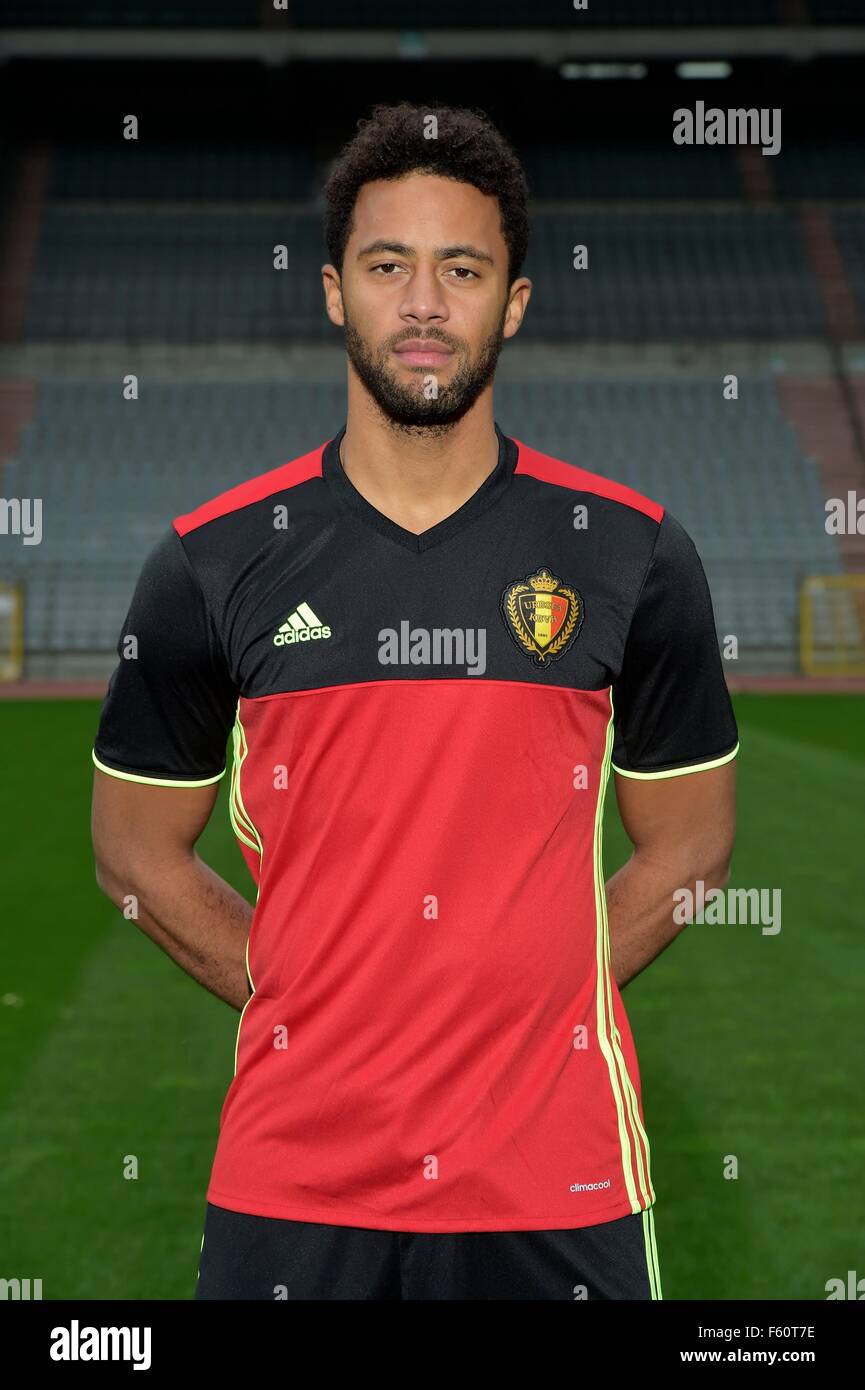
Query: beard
point(405, 406)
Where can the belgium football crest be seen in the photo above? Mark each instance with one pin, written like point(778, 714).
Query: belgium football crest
point(543, 615)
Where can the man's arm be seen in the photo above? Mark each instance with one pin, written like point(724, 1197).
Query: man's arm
point(144, 839)
point(682, 830)
point(160, 751)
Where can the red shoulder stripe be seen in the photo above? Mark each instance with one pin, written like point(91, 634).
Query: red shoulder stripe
point(550, 470)
point(287, 475)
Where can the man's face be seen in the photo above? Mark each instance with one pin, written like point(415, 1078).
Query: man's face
point(426, 263)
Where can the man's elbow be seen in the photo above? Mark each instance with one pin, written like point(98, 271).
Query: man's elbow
point(116, 868)
point(713, 866)
point(107, 880)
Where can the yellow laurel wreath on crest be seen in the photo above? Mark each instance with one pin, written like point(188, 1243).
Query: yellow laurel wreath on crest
point(522, 631)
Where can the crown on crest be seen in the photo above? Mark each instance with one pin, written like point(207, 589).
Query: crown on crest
point(543, 582)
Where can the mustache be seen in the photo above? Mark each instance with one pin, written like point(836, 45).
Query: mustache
point(429, 336)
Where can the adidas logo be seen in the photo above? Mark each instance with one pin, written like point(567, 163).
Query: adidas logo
point(300, 626)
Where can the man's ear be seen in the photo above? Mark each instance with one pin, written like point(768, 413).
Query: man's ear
point(332, 285)
point(518, 300)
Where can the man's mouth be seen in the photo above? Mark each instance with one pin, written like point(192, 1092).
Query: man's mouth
point(419, 352)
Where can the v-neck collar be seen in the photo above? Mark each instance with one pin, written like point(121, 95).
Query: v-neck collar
point(494, 486)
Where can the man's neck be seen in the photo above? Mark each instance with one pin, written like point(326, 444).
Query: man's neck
point(418, 479)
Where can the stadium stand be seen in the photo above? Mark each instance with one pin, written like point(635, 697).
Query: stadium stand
point(721, 468)
point(640, 170)
point(174, 276)
point(820, 169)
point(658, 275)
point(849, 226)
point(200, 276)
point(139, 171)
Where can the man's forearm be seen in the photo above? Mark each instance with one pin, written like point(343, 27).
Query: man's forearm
point(640, 908)
point(194, 916)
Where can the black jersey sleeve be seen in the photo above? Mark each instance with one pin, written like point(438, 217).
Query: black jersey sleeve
point(672, 710)
point(171, 702)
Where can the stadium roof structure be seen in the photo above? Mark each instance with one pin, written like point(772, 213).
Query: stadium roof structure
point(547, 32)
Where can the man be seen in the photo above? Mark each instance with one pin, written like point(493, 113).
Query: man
point(429, 641)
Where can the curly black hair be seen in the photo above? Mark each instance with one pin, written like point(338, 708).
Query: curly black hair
point(391, 142)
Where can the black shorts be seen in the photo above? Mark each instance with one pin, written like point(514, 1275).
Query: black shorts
point(264, 1257)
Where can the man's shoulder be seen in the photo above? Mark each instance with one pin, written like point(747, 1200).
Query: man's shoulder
point(236, 500)
point(556, 472)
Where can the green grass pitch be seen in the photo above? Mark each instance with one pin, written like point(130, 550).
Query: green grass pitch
point(750, 1045)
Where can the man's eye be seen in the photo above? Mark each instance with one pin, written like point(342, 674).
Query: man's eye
point(392, 265)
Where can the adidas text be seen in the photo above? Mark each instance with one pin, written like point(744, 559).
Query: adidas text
point(301, 626)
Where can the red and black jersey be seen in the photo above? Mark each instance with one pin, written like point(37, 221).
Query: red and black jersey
point(423, 727)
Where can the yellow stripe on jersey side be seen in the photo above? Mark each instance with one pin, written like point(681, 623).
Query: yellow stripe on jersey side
point(647, 1194)
point(243, 822)
point(609, 1046)
point(633, 1107)
point(678, 771)
point(155, 781)
point(647, 1191)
